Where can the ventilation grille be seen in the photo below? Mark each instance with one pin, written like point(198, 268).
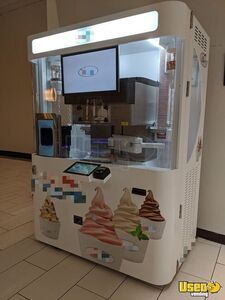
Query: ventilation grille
point(201, 39)
point(190, 207)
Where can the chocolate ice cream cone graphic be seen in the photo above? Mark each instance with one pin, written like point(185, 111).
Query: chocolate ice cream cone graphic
point(151, 219)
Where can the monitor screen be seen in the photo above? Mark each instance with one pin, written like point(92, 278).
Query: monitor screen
point(88, 72)
point(82, 168)
point(46, 136)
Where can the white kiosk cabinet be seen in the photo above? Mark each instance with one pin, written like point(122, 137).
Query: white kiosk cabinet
point(130, 91)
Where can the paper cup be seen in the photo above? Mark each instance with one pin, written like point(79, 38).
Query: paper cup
point(99, 252)
point(49, 228)
point(134, 249)
point(153, 228)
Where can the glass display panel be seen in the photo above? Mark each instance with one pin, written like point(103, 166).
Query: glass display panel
point(135, 126)
point(46, 136)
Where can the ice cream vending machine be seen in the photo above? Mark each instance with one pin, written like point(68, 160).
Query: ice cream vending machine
point(130, 90)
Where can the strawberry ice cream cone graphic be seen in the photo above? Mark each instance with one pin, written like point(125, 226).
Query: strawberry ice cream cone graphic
point(49, 222)
point(151, 218)
point(98, 239)
point(128, 228)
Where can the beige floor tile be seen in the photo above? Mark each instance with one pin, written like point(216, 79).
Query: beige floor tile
point(13, 236)
point(18, 220)
point(201, 240)
point(47, 257)
point(4, 216)
point(201, 260)
point(4, 205)
point(219, 276)
point(78, 293)
point(18, 252)
point(32, 237)
point(29, 209)
point(2, 230)
point(22, 198)
point(58, 280)
point(171, 292)
point(16, 278)
point(221, 258)
point(102, 281)
point(17, 297)
point(134, 289)
point(18, 208)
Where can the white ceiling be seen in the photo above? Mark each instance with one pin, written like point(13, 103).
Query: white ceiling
point(9, 5)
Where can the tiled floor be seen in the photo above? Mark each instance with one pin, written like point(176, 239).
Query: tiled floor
point(32, 270)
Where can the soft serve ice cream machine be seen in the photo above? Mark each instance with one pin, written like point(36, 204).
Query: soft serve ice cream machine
point(130, 92)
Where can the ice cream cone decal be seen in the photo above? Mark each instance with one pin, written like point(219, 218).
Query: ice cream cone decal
point(151, 219)
point(48, 210)
point(128, 227)
point(49, 222)
point(98, 221)
point(98, 239)
point(126, 215)
point(150, 209)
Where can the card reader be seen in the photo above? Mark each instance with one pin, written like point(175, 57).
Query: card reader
point(101, 172)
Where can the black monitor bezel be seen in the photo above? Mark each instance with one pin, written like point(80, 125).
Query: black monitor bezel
point(84, 163)
point(93, 93)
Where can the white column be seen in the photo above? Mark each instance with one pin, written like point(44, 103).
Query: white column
point(52, 14)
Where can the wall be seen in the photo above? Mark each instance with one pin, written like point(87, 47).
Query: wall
point(212, 16)
point(16, 117)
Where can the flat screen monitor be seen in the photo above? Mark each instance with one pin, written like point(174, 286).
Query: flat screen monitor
point(46, 136)
point(82, 168)
point(90, 72)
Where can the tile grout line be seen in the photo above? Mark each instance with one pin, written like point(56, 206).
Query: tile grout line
point(17, 241)
point(20, 225)
point(6, 213)
point(161, 293)
point(35, 265)
point(220, 264)
point(44, 246)
point(76, 284)
point(8, 230)
point(18, 292)
point(193, 275)
point(81, 287)
point(11, 267)
point(216, 263)
point(24, 259)
point(20, 295)
point(3, 229)
point(94, 292)
point(126, 277)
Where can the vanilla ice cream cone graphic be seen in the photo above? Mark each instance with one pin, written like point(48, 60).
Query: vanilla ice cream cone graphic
point(128, 228)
